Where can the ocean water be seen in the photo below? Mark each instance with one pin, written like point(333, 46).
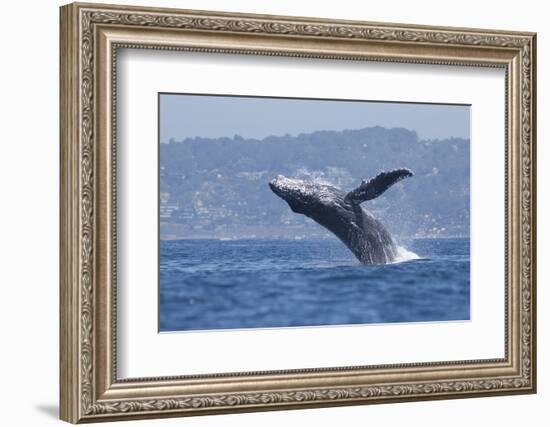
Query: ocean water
point(216, 284)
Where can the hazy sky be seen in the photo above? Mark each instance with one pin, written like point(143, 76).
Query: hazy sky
point(183, 116)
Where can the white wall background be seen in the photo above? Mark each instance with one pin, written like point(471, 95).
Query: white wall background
point(29, 170)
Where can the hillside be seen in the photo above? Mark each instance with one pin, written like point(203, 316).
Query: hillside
point(218, 187)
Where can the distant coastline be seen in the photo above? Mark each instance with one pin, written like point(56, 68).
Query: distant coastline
point(217, 188)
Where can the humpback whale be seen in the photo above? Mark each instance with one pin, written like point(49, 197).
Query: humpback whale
point(342, 213)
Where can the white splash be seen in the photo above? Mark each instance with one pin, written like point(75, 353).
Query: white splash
point(403, 254)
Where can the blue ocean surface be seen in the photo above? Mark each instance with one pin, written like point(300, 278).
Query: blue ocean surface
point(217, 284)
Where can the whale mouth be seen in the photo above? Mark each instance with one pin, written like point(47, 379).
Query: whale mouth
point(292, 191)
point(276, 190)
point(282, 185)
point(275, 187)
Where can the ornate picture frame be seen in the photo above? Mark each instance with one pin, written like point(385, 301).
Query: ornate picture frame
point(91, 34)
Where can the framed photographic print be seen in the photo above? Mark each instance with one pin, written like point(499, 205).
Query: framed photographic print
point(266, 212)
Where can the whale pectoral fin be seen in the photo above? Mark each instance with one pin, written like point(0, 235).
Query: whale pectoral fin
point(373, 188)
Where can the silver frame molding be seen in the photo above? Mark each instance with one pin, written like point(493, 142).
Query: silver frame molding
point(90, 37)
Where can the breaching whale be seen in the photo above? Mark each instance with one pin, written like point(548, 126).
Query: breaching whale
point(342, 214)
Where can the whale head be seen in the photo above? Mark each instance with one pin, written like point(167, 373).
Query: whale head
point(306, 197)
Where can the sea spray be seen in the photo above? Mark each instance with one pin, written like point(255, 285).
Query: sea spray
point(403, 255)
